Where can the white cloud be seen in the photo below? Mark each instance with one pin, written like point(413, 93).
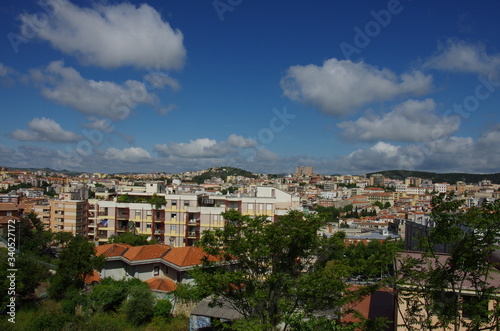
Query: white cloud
point(158, 80)
point(447, 154)
point(67, 87)
point(129, 155)
point(342, 86)
point(413, 121)
point(459, 56)
point(239, 141)
point(205, 147)
point(111, 35)
point(199, 148)
point(5, 70)
point(44, 129)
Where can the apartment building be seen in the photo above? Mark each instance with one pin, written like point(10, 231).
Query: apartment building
point(68, 216)
point(184, 217)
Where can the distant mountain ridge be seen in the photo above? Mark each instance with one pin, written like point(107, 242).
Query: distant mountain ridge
point(450, 178)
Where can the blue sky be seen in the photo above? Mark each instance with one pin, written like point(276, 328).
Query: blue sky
point(346, 87)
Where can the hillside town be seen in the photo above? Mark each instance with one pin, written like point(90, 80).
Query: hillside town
point(172, 211)
point(102, 205)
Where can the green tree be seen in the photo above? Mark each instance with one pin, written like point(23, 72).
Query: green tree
point(163, 309)
point(270, 270)
point(131, 239)
point(109, 294)
point(123, 198)
point(157, 202)
point(33, 237)
point(76, 262)
point(63, 237)
point(139, 296)
point(29, 275)
point(432, 284)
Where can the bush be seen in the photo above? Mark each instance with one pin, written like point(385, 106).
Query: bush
point(163, 308)
point(138, 308)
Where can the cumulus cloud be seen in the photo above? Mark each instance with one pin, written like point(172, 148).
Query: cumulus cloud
point(7, 75)
point(339, 87)
point(239, 141)
point(412, 121)
point(44, 129)
point(159, 80)
point(67, 87)
point(131, 154)
point(459, 56)
point(199, 148)
point(110, 35)
point(447, 154)
point(205, 147)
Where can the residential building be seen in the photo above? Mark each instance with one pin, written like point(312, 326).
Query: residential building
point(184, 217)
point(68, 216)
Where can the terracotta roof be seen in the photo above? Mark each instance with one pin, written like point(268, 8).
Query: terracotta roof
point(186, 256)
point(95, 277)
point(146, 252)
point(112, 249)
point(161, 284)
point(5, 219)
point(378, 304)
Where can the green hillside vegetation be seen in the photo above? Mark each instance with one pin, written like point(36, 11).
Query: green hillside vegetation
point(223, 172)
point(451, 178)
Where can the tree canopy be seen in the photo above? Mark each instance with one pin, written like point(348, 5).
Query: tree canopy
point(271, 270)
point(76, 262)
point(455, 288)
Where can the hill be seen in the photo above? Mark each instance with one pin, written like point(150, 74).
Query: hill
point(451, 178)
point(223, 172)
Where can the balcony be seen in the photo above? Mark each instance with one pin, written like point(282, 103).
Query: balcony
point(123, 216)
point(193, 220)
point(193, 234)
point(159, 232)
point(160, 219)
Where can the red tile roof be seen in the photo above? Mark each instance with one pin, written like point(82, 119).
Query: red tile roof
point(161, 284)
point(95, 277)
point(112, 249)
point(186, 256)
point(146, 252)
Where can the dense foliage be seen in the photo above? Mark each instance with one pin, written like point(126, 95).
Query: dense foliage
point(269, 271)
point(455, 290)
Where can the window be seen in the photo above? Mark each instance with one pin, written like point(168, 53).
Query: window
point(173, 228)
point(186, 203)
point(156, 270)
point(473, 307)
point(148, 213)
point(269, 207)
point(250, 206)
point(148, 225)
point(174, 215)
point(137, 213)
point(174, 203)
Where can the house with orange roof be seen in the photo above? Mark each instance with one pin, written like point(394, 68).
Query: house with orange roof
point(161, 266)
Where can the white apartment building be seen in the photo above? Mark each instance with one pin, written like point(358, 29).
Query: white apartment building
point(183, 219)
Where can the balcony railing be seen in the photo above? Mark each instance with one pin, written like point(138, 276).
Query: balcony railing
point(193, 221)
point(193, 234)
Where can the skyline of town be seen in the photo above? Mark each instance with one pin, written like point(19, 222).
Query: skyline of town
point(181, 85)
